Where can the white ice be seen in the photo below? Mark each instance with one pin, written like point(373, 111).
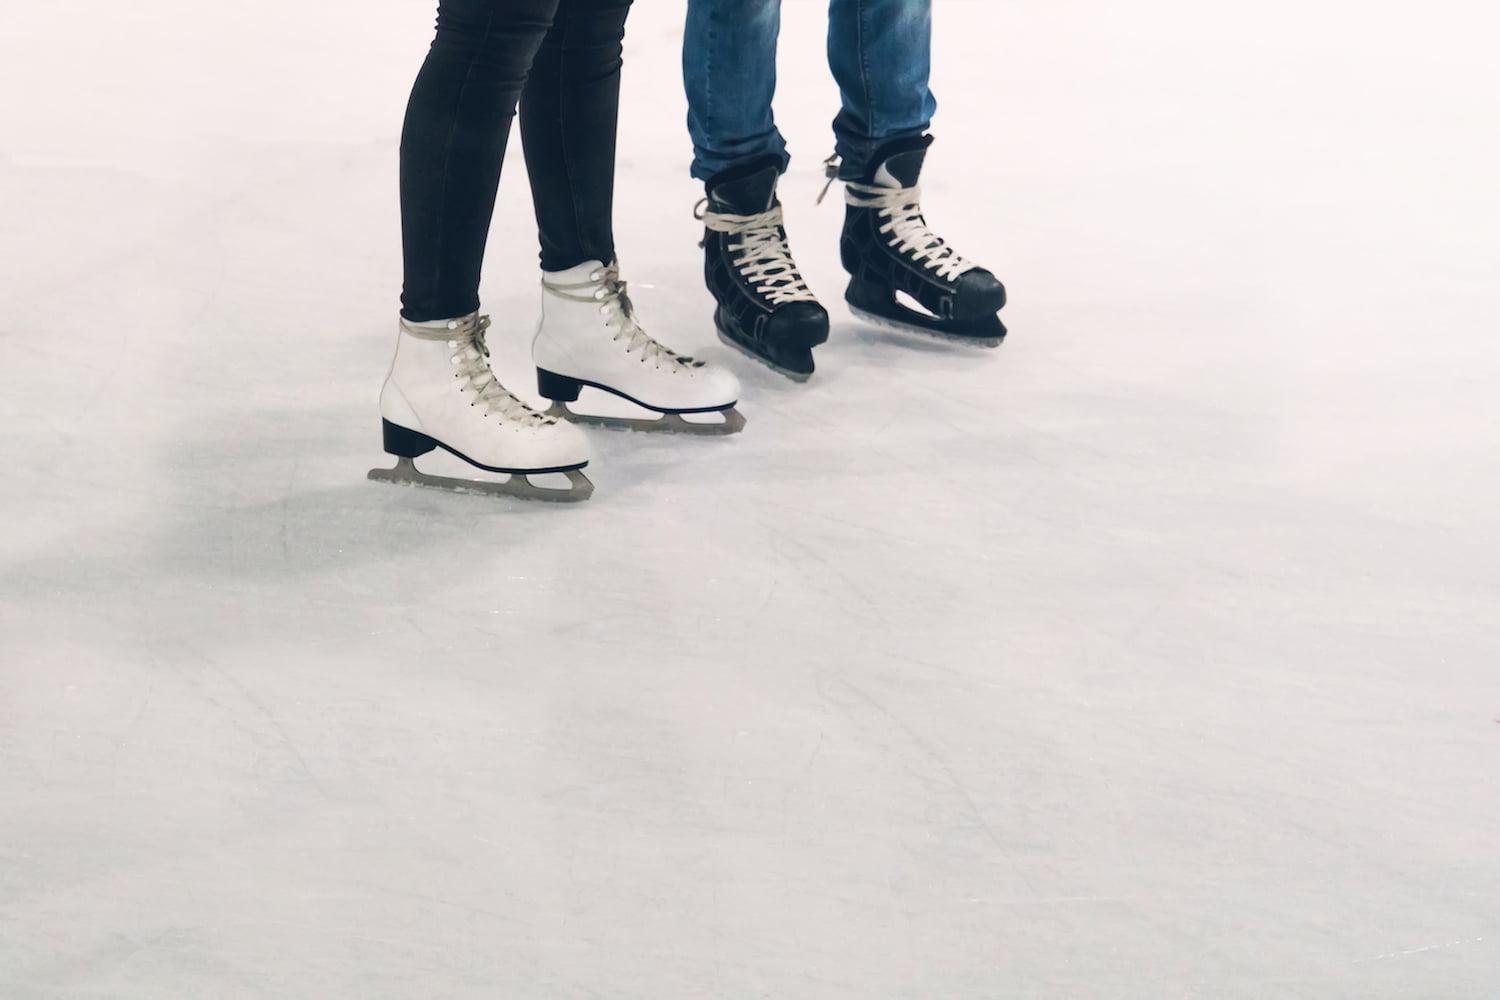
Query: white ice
point(1151, 656)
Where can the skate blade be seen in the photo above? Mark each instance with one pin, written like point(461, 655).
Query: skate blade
point(406, 473)
point(673, 423)
point(924, 332)
point(786, 372)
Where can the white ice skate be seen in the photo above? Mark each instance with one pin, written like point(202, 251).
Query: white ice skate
point(588, 336)
point(440, 393)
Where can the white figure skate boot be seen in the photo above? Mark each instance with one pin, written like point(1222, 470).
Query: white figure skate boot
point(440, 393)
point(589, 336)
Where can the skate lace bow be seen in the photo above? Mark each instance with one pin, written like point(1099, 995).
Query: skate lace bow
point(605, 287)
point(762, 254)
point(473, 361)
point(909, 232)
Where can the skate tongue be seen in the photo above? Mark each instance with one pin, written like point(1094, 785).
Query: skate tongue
point(900, 162)
point(749, 195)
point(573, 275)
point(901, 170)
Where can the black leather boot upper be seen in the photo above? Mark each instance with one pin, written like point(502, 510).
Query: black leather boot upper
point(784, 333)
point(870, 258)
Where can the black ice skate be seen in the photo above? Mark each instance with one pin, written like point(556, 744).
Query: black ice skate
point(887, 248)
point(764, 307)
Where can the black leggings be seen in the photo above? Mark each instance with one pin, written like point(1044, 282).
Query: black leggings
point(561, 60)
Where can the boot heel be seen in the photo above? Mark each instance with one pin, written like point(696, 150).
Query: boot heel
point(558, 388)
point(404, 443)
point(866, 294)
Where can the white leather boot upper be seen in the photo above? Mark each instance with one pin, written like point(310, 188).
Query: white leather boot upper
point(589, 332)
point(440, 385)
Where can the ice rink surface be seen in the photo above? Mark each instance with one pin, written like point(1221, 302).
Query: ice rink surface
point(1152, 656)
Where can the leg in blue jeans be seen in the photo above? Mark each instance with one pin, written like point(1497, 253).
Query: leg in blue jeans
point(729, 67)
point(880, 53)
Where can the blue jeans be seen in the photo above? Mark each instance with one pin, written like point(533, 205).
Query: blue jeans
point(880, 52)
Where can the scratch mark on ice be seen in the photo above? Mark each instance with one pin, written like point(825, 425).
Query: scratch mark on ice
point(1417, 951)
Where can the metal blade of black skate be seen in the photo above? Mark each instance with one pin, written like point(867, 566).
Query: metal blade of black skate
point(987, 331)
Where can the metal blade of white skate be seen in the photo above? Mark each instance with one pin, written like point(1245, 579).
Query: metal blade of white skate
point(406, 473)
point(926, 333)
point(733, 421)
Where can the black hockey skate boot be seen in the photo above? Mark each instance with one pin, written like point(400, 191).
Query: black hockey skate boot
point(764, 307)
point(887, 248)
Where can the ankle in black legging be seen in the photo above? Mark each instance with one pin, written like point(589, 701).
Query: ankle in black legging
point(561, 60)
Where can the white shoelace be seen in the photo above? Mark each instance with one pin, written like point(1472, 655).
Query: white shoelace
point(762, 255)
point(473, 362)
point(909, 234)
point(605, 287)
